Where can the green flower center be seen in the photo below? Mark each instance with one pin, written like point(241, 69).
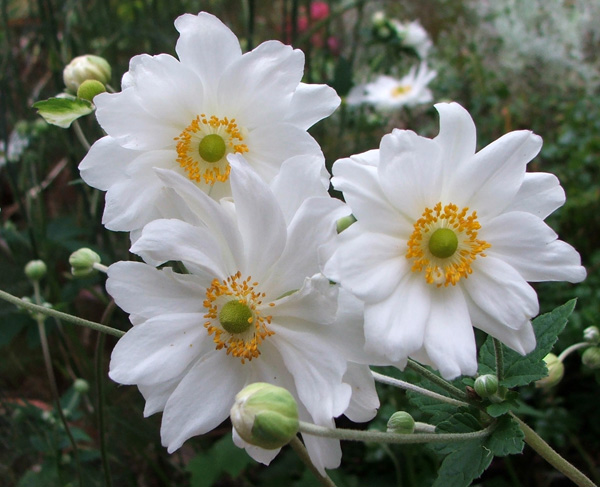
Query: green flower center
point(212, 148)
point(443, 243)
point(235, 316)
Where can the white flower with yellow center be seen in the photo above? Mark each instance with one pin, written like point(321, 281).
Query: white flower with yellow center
point(189, 114)
point(253, 308)
point(388, 93)
point(446, 239)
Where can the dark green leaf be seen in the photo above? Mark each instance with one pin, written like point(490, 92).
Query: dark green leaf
point(507, 438)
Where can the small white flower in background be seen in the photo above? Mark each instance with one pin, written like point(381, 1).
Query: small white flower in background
point(446, 239)
point(188, 115)
point(413, 35)
point(253, 308)
point(388, 93)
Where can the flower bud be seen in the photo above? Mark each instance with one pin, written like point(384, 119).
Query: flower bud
point(82, 262)
point(486, 385)
point(401, 423)
point(35, 270)
point(344, 223)
point(556, 370)
point(591, 357)
point(265, 415)
point(591, 334)
point(83, 68)
point(81, 386)
point(89, 89)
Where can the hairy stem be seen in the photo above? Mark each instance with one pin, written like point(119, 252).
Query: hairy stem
point(436, 379)
point(499, 359)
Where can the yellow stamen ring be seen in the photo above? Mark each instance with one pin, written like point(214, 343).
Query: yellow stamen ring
point(238, 341)
point(203, 146)
point(433, 249)
point(398, 91)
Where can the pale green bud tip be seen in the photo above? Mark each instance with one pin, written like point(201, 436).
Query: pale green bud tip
point(591, 334)
point(591, 357)
point(265, 415)
point(556, 370)
point(82, 262)
point(81, 386)
point(486, 385)
point(84, 68)
point(344, 223)
point(401, 423)
point(89, 89)
point(35, 270)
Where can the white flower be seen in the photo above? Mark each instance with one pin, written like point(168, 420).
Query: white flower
point(447, 239)
point(188, 115)
point(413, 35)
point(253, 308)
point(388, 93)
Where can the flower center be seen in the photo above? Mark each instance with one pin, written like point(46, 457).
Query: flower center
point(203, 146)
point(234, 316)
point(400, 90)
point(444, 244)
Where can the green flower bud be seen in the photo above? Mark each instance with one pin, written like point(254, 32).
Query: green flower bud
point(344, 223)
point(82, 262)
point(35, 270)
point(265, 415)
point(83, 68)
point(89, 89)
point(81, 386)
point(591, 357)
point(591, 334)
point(401, 423)
point(556, 370)
point(486, 385)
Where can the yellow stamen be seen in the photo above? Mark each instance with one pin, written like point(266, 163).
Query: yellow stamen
point(244, 344)
point(188, 143)
point(400, 90)
point(448, 270)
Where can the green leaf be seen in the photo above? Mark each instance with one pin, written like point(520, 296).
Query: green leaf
point(467, 462)
point(63, 111)
point(519, 370)
point(436, 410)
point(507, 438)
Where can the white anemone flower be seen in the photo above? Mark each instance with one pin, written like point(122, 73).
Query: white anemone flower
point(446, 239)
point(253, 308)
point(189, 114)
point(388, 93)
point(413, 35)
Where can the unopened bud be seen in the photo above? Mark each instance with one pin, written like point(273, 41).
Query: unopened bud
point(486, 385)
point(35, 270)
point(401, 423)
point(82, 262)
point(81, 386)
point(344, 223)
point(265, 415)
point(89, 89)
point(591, 357)
point(83, 68)
point(556, 370)
point(591, 334)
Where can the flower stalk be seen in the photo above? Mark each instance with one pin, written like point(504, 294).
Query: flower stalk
point(300, 450)
point(436, 379)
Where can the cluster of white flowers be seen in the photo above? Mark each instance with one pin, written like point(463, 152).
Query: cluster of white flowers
point(208, 163)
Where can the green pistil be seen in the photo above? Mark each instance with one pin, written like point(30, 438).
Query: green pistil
point(212, 148)
point(235, 317)
point(443, 243)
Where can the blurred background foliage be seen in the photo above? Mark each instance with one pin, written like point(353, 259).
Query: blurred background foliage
point(514, 64)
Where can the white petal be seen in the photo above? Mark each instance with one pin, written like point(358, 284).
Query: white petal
point(323, 452)
point(540, 194)
point(159, 349)
point(499, 290)
point(105, 163)
point(410, 172)
point(207, 46)
point(396, 325)
point(311, 103)
point(449, 338)
point(364, 403)
point(271, 73)
point(259, 454)
point(202, 399)
point(530, 246)
point(369, 265)
point(157, 395)
point(457, 137)
point(142, 290)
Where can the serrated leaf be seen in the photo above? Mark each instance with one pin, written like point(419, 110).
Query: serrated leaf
point(63, 111)
point(507, 438)
point(522, 370)
point(467, 462)
point(437, 410)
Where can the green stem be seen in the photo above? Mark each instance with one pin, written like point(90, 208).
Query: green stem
point(60, 315)
point(300, 450)
point(381, 437)
point(80, 135)
point(436, 379)
point(499, 359)
point(384, 379)
point(569, 350)
point(536, 442)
